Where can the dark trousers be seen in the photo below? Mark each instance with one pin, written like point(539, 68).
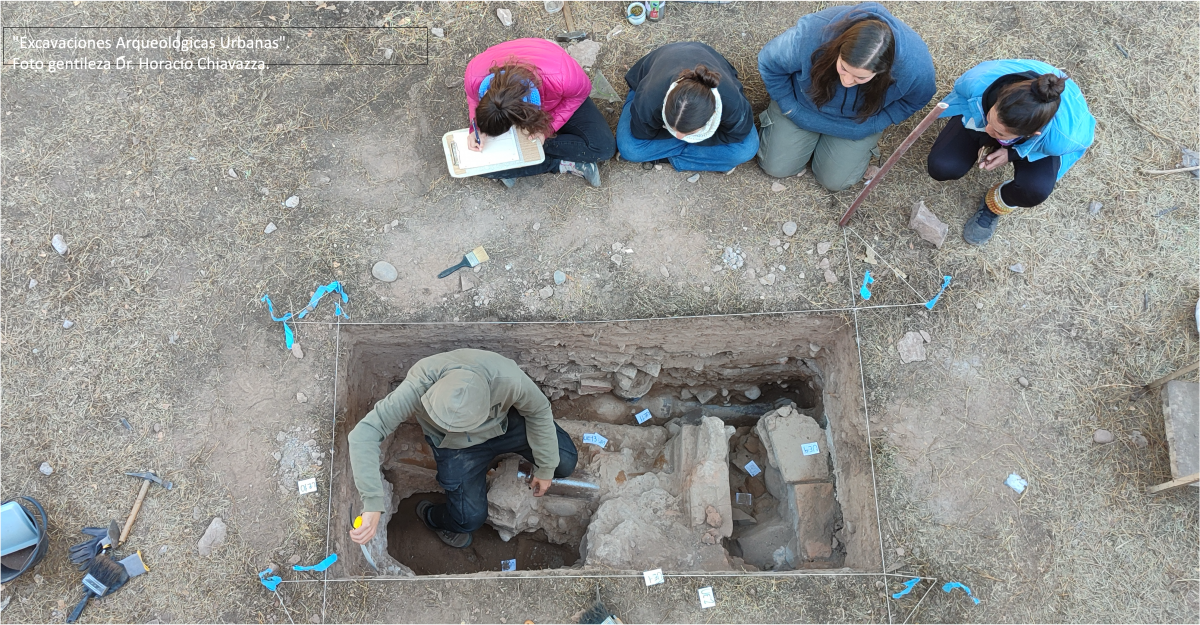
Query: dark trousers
point(462, 473)
point(585, 137)
point(956, 150)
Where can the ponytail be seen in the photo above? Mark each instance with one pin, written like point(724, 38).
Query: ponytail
point(1025, 107)
point(503, 105)
point(691, 103)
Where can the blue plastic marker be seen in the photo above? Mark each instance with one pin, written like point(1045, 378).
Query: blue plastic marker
point(908, 586)
point(945, 283)
point(864, 291)
point(332, 287)
point(952, 585)
point(320, 566)
point(270, 582)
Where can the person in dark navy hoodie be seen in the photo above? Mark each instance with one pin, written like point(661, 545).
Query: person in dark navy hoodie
point(837, 80)
point(686, 106)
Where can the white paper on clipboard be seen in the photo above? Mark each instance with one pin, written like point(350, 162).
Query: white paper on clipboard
point(496, 150)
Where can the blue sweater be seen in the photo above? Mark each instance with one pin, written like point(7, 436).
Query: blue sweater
point(785, 64)
point(1069, 132)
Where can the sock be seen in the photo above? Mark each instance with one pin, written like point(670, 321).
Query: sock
point(995, 202)
point(565, 167)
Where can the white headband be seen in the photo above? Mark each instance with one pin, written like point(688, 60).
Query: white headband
point(705, 132)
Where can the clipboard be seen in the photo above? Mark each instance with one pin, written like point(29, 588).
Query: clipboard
point(528, 152)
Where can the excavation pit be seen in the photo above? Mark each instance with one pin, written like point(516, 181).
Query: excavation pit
point(668, 493)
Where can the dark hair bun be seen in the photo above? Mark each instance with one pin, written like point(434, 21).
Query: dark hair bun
point(702, 75)
point(1047, 87)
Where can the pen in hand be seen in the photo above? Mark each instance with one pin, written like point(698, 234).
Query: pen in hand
point(475, 145)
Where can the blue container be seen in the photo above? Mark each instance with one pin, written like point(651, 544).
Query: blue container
point(23, 538)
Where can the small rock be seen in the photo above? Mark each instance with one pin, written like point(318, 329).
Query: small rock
point(774, 242)
point(979, 305)
point(777, 187)
point(384, 271)
point(1094, 208)
point(68, 324)
point(467, 281)
point(297, 351)
point(767, 280)
point(232, 172)
point(213, 537)
point(59, 244)
point(271, 227)
point(387, 54)
point(1138, 440)
point(559, 277)
point(39, 580)
point(292, 202)
point(157, 427)
point(505, 16)
point(277, 456)
point(658, 167)
point(750, 274)
point(281, 437)
point(438, 32)
point(900, 551)
point(925, 335)
point(295, 559)
point(546, 292)
point(302, 398)
point(1103, 437)
point(830, 277)
point(752, 393)
point(32, 283)
point(537, 225)
point(789, 228)
point(584, 52)
point(617, 258)
point(712, 517)
point(693, 178)
point(1017, 268)
point(46, 469)
point(1023, 381)
point(911, 348)
point(871, 172)
point(824, 247)
point(616, 247)
point(927, 225)
point(663, 270)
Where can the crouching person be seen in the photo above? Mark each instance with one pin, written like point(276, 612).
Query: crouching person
point(1013, 111)
point(473, 406)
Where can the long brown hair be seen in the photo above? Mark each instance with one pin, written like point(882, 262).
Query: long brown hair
point(692, 102)
point(866, 43)
point(1025, 107)
point(503, 105)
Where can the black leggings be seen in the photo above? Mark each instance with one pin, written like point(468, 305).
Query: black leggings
point(585, 137)
point(957, 149)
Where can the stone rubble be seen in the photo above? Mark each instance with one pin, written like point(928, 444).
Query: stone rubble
point(927, 225)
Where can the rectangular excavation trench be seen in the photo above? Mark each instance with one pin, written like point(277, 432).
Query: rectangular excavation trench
point(669, 493)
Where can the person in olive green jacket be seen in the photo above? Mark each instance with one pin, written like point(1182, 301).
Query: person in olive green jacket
point(473, 405)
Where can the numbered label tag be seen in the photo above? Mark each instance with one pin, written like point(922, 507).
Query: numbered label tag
point(508, 565)
point(595, 439)
point(752, 468)
point(653, 577)
point(643, 416)
point(810, 449)
point(307, 486)
point(743, 499)
point(706, 598)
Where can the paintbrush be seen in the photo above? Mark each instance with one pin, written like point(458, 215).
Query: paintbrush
point(474, 257)
point(104, 577)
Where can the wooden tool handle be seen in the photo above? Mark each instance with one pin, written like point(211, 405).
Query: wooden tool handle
point(137, 506)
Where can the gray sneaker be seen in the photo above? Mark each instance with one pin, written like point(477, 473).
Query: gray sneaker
point(587, 171)
point(509, 182)
point(458, 540)
point(981, 226)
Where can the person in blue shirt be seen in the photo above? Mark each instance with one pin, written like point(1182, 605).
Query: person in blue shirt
point(837, 80)
point(1022, 112)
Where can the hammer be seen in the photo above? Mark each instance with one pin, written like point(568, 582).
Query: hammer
point(148, 477)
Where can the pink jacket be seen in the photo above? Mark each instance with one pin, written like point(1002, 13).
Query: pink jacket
point(564, 84)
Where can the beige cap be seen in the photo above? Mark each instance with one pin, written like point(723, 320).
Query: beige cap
point(458, 401)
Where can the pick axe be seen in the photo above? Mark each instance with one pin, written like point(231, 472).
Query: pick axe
point(147, 477)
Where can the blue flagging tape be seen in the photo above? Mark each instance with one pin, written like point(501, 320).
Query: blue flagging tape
point(332, 287)
point(952, 585)
point(320, 566)
point(945, 283)
point(867, 279)
point(908, 586)
point(271, 582)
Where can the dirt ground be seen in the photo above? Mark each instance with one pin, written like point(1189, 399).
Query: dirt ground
point(168, 260)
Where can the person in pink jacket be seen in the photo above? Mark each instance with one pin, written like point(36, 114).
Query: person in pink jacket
point(535, 85)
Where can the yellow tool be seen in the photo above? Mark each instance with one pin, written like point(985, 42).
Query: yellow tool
point(366, 554)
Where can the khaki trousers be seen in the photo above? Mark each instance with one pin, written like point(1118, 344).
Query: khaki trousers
point(785, 148)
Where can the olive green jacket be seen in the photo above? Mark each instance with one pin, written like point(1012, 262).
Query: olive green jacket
point(509, 387)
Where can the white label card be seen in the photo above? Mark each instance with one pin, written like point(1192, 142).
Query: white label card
point(595, 439)
point(643, 416)
point(653, 577)
point(810, 449)
point(706, 597)
point(307, 486)
point(752, 468)
point(508, 565)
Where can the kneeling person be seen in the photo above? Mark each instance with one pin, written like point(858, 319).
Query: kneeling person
point(472, 405)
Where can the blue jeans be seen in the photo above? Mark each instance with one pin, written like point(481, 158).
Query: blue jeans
point(462, 473)
point(684, 156)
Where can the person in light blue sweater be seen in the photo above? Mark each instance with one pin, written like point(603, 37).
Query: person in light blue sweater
point(1017, 111)
point(837, 80)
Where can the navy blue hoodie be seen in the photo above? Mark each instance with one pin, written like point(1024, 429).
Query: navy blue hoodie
point(785, 64)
